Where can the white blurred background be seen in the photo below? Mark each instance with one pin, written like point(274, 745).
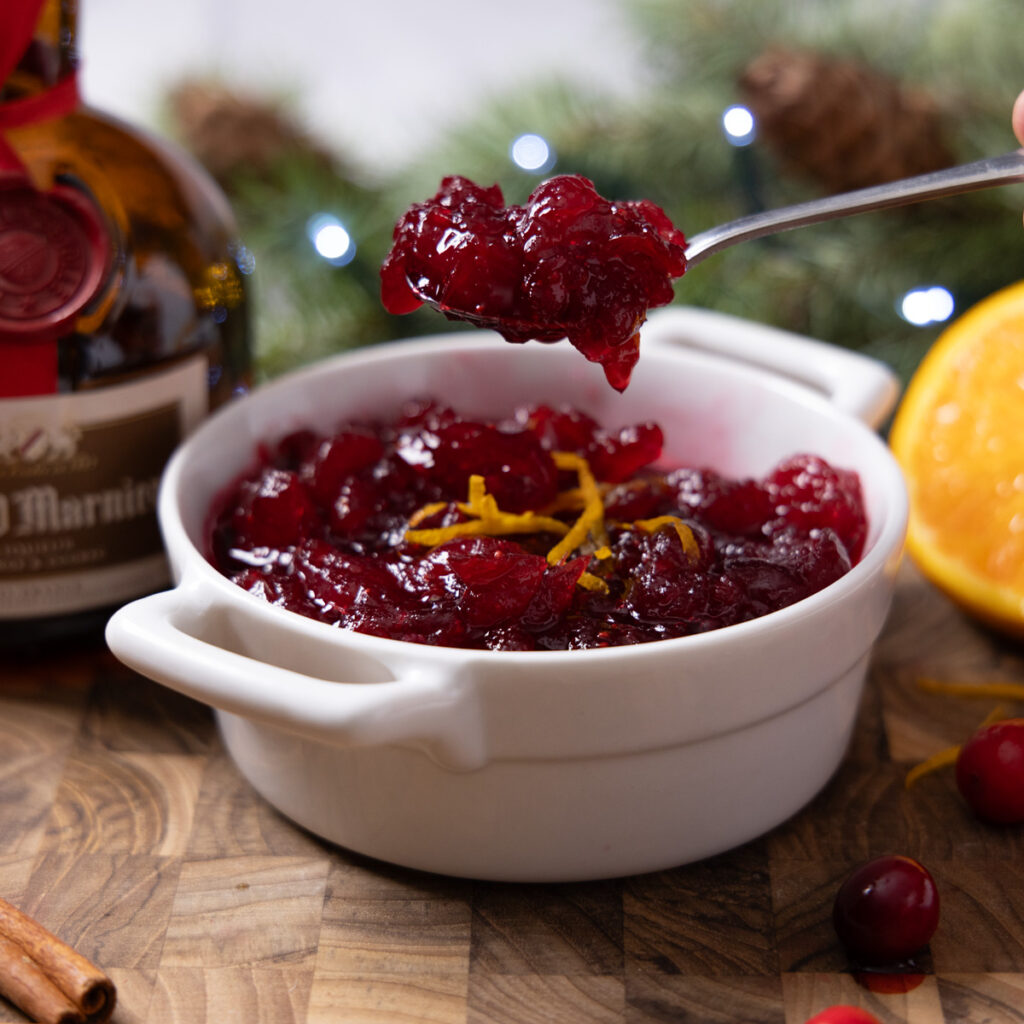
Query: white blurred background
point(376, 79)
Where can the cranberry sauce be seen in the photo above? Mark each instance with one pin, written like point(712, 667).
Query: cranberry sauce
point(542, 532)
point(567, 264)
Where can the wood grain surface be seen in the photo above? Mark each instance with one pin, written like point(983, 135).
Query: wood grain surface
point(125, 829)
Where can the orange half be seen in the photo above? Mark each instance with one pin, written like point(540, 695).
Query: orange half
point(959, 436)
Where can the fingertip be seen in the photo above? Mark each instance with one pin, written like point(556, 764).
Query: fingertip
point(1017, 118)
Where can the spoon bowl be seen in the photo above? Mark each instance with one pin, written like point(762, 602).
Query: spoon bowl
point(970, 177)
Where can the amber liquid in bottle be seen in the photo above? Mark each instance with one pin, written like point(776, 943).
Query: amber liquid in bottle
point(163, 339)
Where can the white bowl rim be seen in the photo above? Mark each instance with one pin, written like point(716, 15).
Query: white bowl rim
point(197, 571)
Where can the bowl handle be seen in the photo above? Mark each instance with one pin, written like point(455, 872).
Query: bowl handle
point(424, 708)
point(856, 384)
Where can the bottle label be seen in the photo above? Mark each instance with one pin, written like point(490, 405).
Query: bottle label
point(78, 484)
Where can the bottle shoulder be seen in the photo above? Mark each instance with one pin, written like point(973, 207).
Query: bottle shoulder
point(142, 178)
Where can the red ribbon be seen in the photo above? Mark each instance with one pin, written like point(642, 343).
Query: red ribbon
point(18, 20)
point(27, 368)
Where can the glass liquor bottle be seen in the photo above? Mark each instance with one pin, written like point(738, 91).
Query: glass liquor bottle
point(123, 321)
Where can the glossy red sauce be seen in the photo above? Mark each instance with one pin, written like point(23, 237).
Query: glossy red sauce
point(566, 264)
point(319, 526)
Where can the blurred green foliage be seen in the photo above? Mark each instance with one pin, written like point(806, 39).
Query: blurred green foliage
point(841, 282)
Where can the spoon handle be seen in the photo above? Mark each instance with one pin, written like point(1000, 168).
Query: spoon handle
point(999, 170)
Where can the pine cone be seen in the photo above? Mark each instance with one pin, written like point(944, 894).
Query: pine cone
point(230, 134)
point(841, 123)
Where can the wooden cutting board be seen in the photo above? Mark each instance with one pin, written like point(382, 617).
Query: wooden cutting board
point(125, 829)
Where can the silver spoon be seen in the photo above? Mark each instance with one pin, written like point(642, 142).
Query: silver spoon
point(951, 181)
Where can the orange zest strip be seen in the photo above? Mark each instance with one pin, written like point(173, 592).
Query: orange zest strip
point(490, 520)
point(586, 499)
point(588, 581)
point(990, 691)
point(683, 532)
point(571, 500)
point(948, 756)
point(426, 512)
point(932, 764)
point(590, 522)
point(995, 715)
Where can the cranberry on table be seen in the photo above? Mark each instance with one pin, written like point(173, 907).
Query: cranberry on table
point(567, 264)
point(886, 910)
point(842, 1014)
point(990, 772)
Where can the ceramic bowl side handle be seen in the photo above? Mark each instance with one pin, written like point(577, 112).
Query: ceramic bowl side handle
point(856, 384)
point(423, 710)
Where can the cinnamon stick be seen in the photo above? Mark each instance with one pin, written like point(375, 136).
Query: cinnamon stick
point(47, 979)
point(25, 985)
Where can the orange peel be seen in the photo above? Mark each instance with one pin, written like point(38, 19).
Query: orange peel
point(958, 435)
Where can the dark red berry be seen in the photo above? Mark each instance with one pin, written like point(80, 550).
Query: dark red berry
point(990, 772)
point(274, 511)
point(352, 507)
point(886, 910)
point(810, 494)
point(666, 583)
point(643, 498)
point(741, 507)
point(570, 430)
point(292, 450)
point(340, 458)
point(614, 457)
point(551, 601)
point(491, 581)
point(618, 457)
point(517, 470)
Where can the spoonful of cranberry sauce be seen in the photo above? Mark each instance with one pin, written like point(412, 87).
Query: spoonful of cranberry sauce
point(571, 264)
point(567, 264)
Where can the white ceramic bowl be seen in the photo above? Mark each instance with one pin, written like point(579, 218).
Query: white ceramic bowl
point(540, 766)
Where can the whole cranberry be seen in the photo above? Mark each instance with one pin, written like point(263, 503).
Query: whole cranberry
point(886, 910)
point(842, 1014)
point(274, 510)
point(990, 772)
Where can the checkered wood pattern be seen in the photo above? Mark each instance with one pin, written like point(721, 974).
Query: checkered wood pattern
point(126, 830)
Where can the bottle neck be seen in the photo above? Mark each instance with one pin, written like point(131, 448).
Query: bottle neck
point(50, 53)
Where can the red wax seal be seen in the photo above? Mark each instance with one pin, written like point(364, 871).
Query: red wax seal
point(54, 257)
